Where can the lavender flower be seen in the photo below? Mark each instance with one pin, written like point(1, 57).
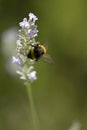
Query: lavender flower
point(24, 23)
point(26, 36)
point(32, 33)
point(32, 17)
point(15, 60)
point(27, 74)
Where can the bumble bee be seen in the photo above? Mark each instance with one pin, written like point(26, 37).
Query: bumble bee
point(37, 51)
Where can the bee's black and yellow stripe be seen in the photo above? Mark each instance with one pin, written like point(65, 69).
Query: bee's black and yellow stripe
point(32, 54)
point(43, 47)
point(36, 52)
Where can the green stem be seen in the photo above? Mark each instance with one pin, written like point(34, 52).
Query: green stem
point(33, 111)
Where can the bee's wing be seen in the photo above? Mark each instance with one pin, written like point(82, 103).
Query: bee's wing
point(46, 45)
point(47, 58)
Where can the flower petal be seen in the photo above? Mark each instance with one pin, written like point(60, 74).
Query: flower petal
point(32, 17)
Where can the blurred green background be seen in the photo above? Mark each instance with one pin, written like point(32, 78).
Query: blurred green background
point(60, 92)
